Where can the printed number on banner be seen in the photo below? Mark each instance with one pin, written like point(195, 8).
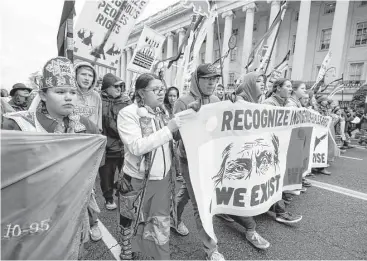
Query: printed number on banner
point(35, 227)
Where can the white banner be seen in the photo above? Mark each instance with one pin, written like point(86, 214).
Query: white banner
point(150, 44)
point(320, 150)
point(96, 19)
point(242, 156)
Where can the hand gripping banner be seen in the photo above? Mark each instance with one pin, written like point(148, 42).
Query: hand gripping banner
point(242, 156)
point(46, 182)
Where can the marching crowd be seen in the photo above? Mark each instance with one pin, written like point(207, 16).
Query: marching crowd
point(144, 143)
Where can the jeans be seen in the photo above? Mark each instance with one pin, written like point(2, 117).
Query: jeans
point(247, 222)
point(185, 193)
point(107, 176)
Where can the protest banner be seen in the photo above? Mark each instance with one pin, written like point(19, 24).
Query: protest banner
point(242, 156)
point(46, 183)
point(320, 150)
point(150, 44)
point(96, 19)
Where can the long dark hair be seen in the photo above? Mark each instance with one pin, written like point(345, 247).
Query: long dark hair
point(166, 102)
point(278, 83)
point(141, 83)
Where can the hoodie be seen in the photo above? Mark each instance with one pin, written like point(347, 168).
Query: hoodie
point(89, 103)
point(247, 89)
point(182, 103)
point(110, 110)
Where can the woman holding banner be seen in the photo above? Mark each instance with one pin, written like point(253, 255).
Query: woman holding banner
point(298, 92)
point(147, 184)
point(250, 90)
point(278, 96)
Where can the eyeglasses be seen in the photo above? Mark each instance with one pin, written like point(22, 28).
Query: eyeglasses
point(119, 86)
point(157, 90)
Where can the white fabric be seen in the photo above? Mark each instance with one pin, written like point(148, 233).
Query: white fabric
point(135, 145)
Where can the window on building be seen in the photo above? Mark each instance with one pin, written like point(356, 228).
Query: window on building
point(290, 73)
point(329, 8)
point(234, 54)
point(297, 16)
point(363, 3)
point(255, 27)
point(216, 55)
point(293, 43)
point(325, 39)
point(318, 67)
point(361, 34)
point(202, 57)
point(355, 72)
point(235, 31)
point(231, 79)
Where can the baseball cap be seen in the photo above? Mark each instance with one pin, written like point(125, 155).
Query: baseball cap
point(208, 70)
point(109, 79)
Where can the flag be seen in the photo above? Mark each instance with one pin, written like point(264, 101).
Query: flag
point(46, 183)
point(65, 33)
point(337, 88)
point(322, 71)
point(280, 68)
point(198, 7)
point(260, 50)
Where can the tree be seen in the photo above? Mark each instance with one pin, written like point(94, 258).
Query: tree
point(359, 98)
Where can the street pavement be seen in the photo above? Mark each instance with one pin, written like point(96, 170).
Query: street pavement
point(334, 224)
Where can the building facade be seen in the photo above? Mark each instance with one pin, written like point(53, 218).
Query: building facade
point(309, 30)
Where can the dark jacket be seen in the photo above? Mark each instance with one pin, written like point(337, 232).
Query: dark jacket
point(183, 102)
point(110, 110)
point(17, 107)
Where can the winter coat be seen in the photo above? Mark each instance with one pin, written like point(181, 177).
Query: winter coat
point(294, 102)
point(89, 103)
point(275, 100)
point(182, 103)
point(110, 110)
point(131, 123)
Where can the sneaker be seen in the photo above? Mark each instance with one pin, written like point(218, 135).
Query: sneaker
point(325, 172)
point(303, 190)
point(306, 183)
point(110, 205)
point(257, 241)
point(179, 178)
point(95, 233)
point(294, 192)
point(225, 217)
point(215, 256)
point(181, 229)
point(288, 218)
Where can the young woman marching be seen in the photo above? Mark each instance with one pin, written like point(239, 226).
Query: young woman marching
point(147, 135)
point(278, 96)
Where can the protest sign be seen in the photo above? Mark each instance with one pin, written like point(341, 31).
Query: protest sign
point(242, 156)
point(46, 182)
point(148, 48)
point(320, 149)
point(96, 19)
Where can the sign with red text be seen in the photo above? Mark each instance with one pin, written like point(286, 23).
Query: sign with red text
point(96, 18)
point(242, 156)
point(46, 183)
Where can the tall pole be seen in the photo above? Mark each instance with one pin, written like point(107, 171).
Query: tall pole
point(220, 50)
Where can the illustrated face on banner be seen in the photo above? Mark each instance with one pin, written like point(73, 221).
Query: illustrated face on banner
point(250, 158)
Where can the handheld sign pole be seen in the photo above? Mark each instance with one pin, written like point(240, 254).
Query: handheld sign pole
point(99, 49)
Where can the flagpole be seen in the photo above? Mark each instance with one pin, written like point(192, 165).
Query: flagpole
point(273, 45)
point(220, 48)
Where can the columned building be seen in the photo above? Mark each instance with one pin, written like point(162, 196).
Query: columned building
point(309, 30)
